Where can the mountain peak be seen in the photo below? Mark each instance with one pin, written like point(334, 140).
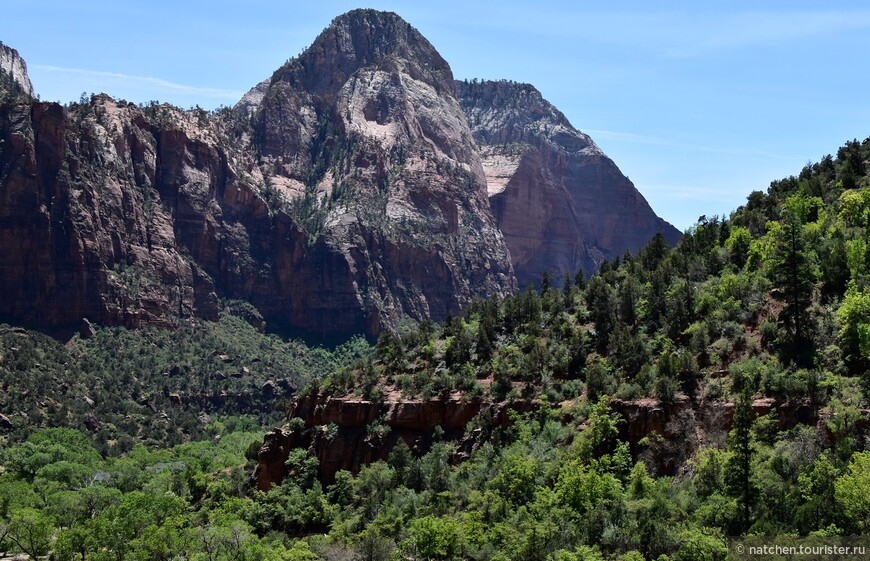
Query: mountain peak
point(498, 109)
point(560, 202)
point(365, 38)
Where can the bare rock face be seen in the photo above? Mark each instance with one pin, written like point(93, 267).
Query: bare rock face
point(560, 202)
point(13, 74)
point(144, 216)
point(346, 433)
point(375, 157)
point(337, 197)
point(85, 228)
point(252, 100)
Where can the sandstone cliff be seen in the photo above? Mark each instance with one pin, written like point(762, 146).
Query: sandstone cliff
point(560, 202)
point(341, 195)
point(376, 157)
point(13, 73)
point(96, 202)
point(346, 433)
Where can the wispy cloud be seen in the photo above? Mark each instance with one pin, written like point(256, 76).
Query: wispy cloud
point(150, 82)
point(658, 141)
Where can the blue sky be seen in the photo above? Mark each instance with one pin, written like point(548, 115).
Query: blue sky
point(698, 103)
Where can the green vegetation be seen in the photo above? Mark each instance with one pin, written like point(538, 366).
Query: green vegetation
point(152, 386)
point(772, 302)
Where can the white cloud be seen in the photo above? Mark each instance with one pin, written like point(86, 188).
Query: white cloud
point(101, 79)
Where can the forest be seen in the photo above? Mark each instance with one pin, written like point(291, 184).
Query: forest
point(115, 446)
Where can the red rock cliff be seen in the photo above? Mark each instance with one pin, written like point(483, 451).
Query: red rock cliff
point(560, 202)
point(348, 433)
point(345, 193)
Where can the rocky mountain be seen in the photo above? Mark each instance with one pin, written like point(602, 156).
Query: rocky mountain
point(354, 196)
point(349, 190)
point(560, 202)
point(13, 73)
point(376, 155)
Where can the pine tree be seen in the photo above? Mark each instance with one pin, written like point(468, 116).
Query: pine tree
point(483, 345)
point(546, 282)
point(739, 479)
point(601, 300)
point(794, 275)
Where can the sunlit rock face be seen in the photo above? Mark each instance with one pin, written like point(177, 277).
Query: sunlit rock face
point(561, 203)
point(339, 196)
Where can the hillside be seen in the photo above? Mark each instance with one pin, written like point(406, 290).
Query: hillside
point(676, 398)
point(624, 406)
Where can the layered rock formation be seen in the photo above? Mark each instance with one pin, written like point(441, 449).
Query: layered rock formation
point(343, 193)
point(560, 202)
point(92, 214)
point(13, 73)
point(346, 433)
point(377, 156)
point(355, 196)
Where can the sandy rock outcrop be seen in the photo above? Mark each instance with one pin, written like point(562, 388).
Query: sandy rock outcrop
point(346, 433)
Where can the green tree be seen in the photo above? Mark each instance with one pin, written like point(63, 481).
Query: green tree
point(515, 478)
point(740, 466)
point(854, 318)
point(459, 347)
point(31, 531)
point(656, 250)
point(815, 490)
point(701, 545)
point(601, 300)
point(793, 273)
point(434, 538)
point(629, 295)
point(738, 243)
point(852, 491)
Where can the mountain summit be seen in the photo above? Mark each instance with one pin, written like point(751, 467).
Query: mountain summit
point(364, 135)
point(365, 39)
point(349, 190)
